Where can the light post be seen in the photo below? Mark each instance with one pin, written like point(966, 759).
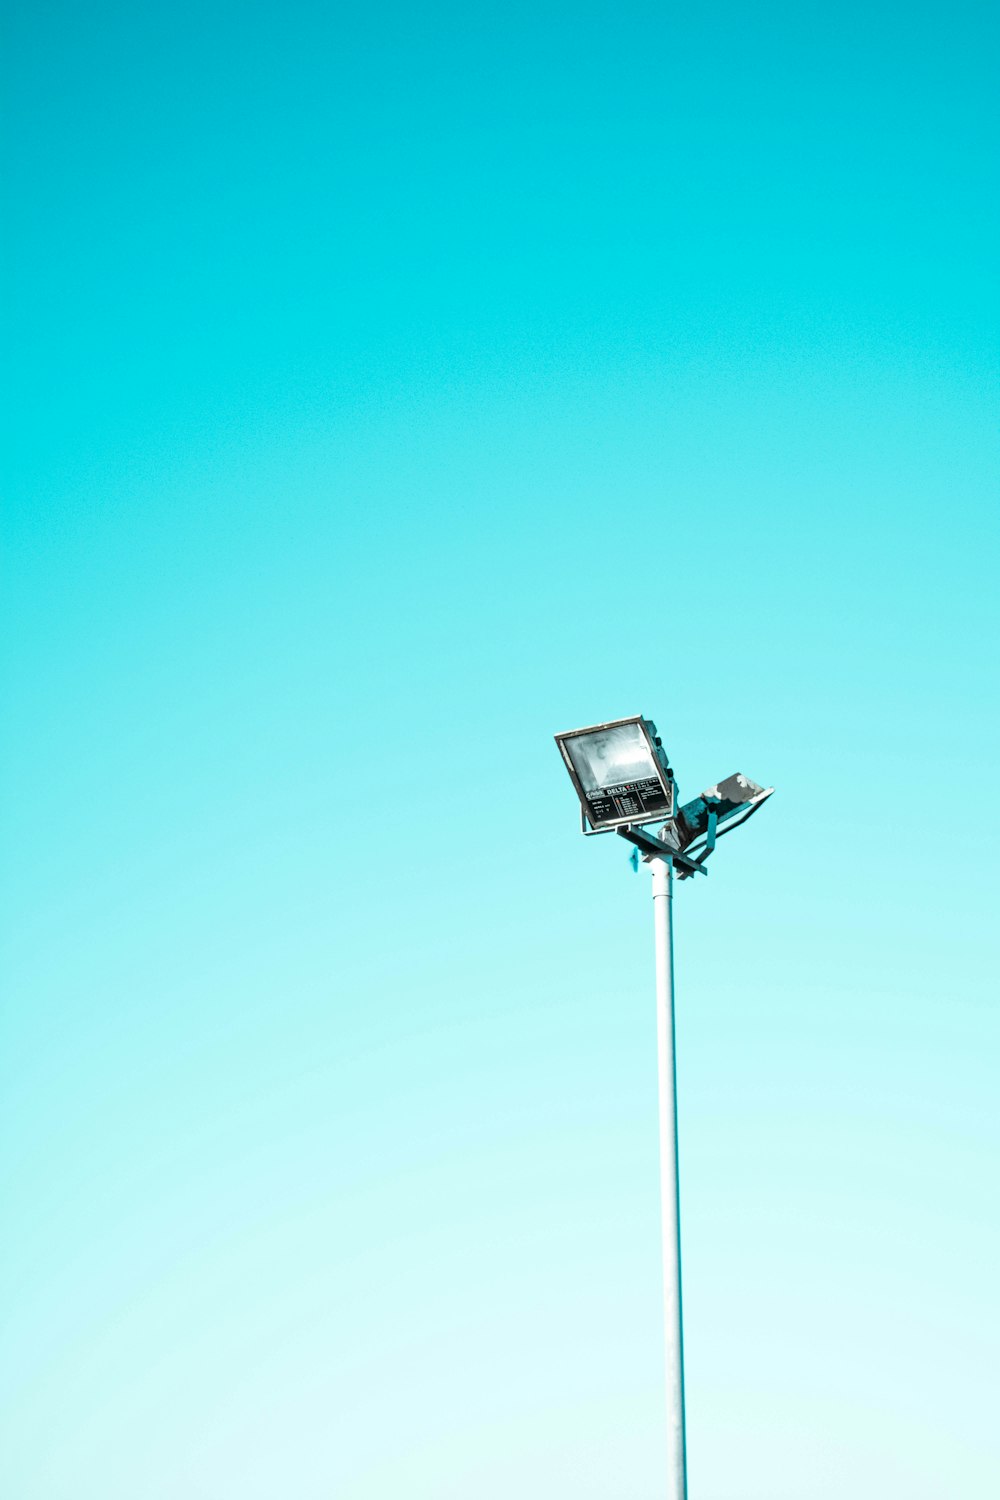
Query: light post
point(624, 781)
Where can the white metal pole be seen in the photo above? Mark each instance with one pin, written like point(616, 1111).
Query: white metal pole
point(669, 1193)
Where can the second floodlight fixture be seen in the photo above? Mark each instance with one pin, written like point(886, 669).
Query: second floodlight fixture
point(620, 771)
point(719, 809)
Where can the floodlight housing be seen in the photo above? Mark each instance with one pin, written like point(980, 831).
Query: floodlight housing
point(620, 771)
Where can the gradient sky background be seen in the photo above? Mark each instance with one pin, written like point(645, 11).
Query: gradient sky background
point(394, 387)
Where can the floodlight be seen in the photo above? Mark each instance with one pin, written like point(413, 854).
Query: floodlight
point(718, 810)
point(623, 780)
point(620, 772)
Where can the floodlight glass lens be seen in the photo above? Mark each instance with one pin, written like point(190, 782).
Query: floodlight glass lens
point(610, 756)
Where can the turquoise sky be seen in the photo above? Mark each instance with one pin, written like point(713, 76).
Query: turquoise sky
point(391, 388)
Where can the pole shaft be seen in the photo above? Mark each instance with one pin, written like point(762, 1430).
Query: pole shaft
point(669, 1190)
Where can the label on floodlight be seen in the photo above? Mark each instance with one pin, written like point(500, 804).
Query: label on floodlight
point(641, 800)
